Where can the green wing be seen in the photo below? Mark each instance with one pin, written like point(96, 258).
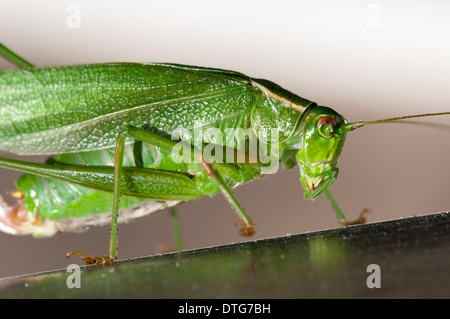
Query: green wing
point(68, 109)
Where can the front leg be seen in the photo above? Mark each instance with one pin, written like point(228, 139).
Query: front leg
point(340, 215)
point(95, 261)
point(247, 227)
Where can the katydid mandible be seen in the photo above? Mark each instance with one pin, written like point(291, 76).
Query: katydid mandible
point(111, 130)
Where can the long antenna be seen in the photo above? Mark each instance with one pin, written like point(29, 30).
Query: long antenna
point(437, 126)
point(14, 58)
point(354, 125)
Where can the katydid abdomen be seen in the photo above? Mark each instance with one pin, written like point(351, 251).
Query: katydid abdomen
point(70, 207)
point(74, 206)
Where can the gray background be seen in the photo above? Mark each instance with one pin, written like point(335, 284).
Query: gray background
point(366, 59)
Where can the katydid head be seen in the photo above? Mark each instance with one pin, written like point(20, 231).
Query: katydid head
point(323, 132)
point(321, 145)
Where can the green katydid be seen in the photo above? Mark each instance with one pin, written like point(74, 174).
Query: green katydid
point(110, 131)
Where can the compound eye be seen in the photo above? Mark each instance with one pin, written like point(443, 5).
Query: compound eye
point(326, 126)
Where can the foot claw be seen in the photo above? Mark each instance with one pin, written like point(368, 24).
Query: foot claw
point(97, 261)
point(246, 229)
point(359, 221)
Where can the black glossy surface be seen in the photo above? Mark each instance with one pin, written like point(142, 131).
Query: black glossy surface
point(413, 255)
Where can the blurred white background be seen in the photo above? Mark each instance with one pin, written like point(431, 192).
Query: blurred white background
point(366, 59)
